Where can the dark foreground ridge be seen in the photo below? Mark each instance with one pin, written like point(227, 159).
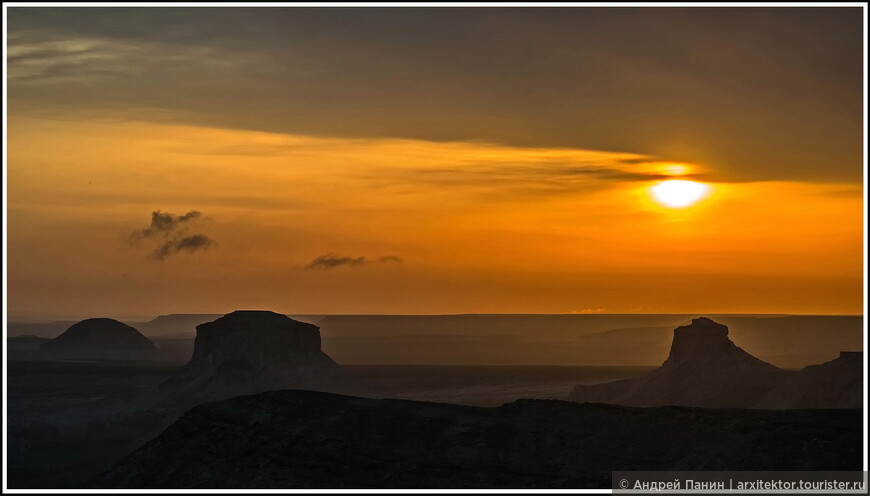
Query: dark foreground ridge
point(706, 369)
point(306, 439)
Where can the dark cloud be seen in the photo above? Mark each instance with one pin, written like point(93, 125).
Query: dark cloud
point(607, 174)
point(188, 243)
point(390, 258)
point(163, 223)
point(656, 81)
point(172, 232)
point(333, 260)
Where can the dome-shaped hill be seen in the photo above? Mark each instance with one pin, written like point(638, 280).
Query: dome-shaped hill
point(100, 339)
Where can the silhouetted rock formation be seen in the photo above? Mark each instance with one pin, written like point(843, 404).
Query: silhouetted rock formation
point(100, 339)
point(26, 347)
point(706, 369)
point(302, 439)
point(835, 384)
point(247, 352)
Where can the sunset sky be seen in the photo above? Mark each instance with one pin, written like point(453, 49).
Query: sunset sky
point(433, 160)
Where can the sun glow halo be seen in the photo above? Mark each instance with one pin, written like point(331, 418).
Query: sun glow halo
point(678, 193)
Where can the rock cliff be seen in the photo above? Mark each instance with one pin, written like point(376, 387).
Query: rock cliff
point(247, 352)
point(706, 369)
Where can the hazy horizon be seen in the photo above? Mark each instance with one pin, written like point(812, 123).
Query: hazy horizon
point(25, 318)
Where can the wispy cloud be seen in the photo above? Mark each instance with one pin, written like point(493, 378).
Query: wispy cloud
point(530, 173)
point(69, 59)
point(172, 234)
point(390, 258)
point(487, 168)
point(333, 260)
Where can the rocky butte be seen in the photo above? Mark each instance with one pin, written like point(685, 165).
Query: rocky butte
point(706, 369)
point(100, 339)
point(247, 352)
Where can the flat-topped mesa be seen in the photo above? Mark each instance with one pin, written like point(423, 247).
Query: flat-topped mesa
point(247, 352)
point(246, 333)
point(703, 340)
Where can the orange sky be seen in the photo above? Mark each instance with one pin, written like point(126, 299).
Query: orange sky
point(342, 162)
point(477, 228)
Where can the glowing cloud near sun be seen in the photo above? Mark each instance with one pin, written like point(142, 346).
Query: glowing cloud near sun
point(678, 193)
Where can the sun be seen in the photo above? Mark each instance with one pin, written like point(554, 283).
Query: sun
point(678, 193)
